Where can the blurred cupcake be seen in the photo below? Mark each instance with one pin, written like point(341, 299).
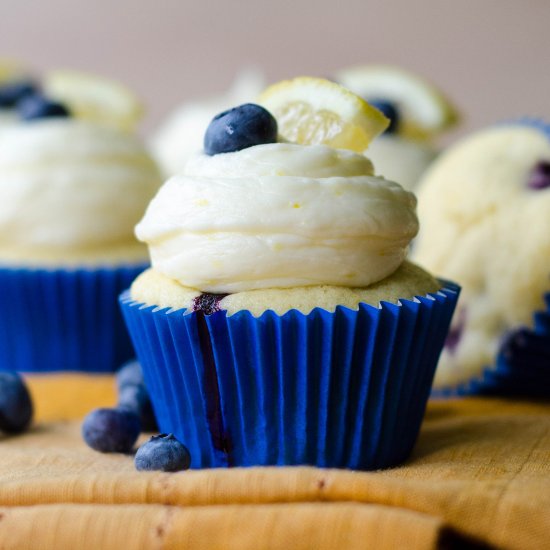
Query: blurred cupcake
point(71, 190)
point(418, 111)
point(485, 206)
point(279, 323)
point(180, 136)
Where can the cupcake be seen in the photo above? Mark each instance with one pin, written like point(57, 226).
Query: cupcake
point(418, 111)
point(280, 322)
point(484, 207)
point(71, 191)
point(180, 135)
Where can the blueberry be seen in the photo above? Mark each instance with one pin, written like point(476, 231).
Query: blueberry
point(389, 110)
point(15, 403)
point(134, 397)
point(208, 303)
point(13, 92)
point(36, 106)
point(111, 430)
point(163, 452)
point(540, 176)
point(129, 374)
point(239, 128)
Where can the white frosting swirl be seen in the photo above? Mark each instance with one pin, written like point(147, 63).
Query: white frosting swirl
point(68, 186)
point(278, 215)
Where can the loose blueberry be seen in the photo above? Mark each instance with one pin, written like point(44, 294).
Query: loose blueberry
point(163, 452)
point(129, 374)
point(134, 397)
point(15, 403)
point(208, 303)
point(111, 430)
point(540, 176)
point(390, 110)
point(36, 107)
point(239, 128)
point(13, 92)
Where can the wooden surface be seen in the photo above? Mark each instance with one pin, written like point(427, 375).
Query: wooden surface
point(480, 474)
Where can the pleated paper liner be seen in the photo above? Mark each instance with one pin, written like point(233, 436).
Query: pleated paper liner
point(346, 389)
point(63, 319)
point(521, 368)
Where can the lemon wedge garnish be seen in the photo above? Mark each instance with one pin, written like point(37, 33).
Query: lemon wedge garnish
point(95, 99)
point(424, 110)
point(314, 111)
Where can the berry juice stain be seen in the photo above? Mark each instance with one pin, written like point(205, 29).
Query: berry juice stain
point(203, 305)
point(455, 332)
point(208, 303)
point(540, 176)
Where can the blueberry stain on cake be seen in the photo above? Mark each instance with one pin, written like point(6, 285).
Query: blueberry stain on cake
point(540, 176)
point(205, 305)
point(456, 331)
point(208, 303)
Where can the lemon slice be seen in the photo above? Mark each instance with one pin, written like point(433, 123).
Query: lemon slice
point(94, 98)
point(425, 110)
point(314, 110)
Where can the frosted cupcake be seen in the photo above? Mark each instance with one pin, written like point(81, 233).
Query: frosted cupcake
point(71, 191)
point(485, 210)
point(419, 114)
point(280, 322)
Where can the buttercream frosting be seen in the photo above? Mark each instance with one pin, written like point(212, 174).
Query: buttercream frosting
point(278, 215)
point(68, 186)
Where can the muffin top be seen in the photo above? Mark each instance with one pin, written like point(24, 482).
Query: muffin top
point(484, 208)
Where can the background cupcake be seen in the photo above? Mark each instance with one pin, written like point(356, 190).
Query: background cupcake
point(74, 180)
point(259, 327)
point(484, 208)
point(419, 114)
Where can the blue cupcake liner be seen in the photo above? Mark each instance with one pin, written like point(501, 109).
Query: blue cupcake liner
point(346, 389)
point(521, 367)
point(63, 319)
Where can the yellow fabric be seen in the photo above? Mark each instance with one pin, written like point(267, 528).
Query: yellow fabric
point(480, 473)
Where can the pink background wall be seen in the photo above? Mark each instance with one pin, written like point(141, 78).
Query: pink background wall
point(491, 56)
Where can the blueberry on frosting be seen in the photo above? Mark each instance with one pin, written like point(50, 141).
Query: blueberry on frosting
point(388, 109)
point(239, 128)
point(36, 106)
point(13, 92)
